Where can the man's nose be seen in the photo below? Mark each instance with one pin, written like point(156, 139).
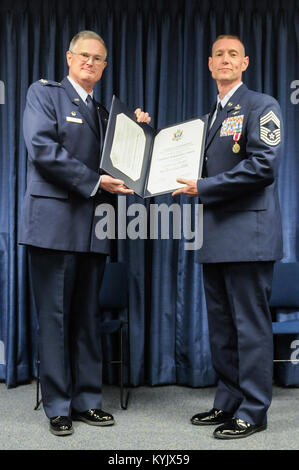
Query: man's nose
point(225, 58)
point(90, 60)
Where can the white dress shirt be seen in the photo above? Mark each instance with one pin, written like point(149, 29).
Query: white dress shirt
point(224, 101)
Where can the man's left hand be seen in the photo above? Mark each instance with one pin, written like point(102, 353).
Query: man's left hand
point(190, 189)
point(114, 185)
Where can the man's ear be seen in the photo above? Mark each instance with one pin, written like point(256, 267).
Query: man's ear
point(68, 55)
point(245, 63)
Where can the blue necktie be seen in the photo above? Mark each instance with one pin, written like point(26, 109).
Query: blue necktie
point(92, 108)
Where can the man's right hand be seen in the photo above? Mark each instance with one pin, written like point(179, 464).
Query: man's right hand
point(114, 186)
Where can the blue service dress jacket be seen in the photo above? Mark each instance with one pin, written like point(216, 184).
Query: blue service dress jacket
point(242, 220)
point(64, 149)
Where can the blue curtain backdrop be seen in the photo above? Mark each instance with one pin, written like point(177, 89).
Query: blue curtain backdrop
point(158, 53)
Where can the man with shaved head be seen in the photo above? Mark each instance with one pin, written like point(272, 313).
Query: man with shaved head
point(242, 238)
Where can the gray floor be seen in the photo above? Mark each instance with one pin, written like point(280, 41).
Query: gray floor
point(157, 418)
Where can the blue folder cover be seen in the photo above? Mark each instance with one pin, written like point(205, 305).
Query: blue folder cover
point(139, 186)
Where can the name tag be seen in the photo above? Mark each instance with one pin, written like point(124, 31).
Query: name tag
point(73, 119)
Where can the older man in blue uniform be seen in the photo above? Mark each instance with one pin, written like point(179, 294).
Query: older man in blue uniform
point(64, 130)
point(242, 238)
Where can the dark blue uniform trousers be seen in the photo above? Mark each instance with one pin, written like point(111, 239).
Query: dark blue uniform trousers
point(66, 292)
point(241, 338)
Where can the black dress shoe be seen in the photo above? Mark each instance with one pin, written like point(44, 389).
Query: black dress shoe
point(237, 428)
point(94, 417)
point(61, 426)
point(213, 416)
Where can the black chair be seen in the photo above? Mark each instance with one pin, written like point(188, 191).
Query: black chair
point(284, 301)
point(114, 300)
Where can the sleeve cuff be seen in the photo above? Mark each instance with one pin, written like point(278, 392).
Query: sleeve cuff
point(96, 188)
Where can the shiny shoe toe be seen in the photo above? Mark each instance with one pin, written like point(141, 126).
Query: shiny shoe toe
point(94, 417)
point(213, 416)
point(61, 426)
point(237, 428)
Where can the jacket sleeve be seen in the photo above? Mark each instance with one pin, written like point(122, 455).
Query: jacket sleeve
point(258, 169)
point(47, 154)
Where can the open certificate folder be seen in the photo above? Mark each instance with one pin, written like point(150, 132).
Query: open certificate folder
point(150, 161)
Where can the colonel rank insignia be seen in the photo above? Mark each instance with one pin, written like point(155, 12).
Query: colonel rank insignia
point(270, 129)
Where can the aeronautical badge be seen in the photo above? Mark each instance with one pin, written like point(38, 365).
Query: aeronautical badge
point(42, 80)
point(270, 129)
point(236, 109)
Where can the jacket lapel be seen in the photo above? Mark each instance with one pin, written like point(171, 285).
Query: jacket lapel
point(76, 100)
point(218, 121)
point(231, 106)
point(102, 117)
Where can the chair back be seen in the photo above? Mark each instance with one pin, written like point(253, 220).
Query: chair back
point(284, 298)
point(113, 293)
point(285, 285)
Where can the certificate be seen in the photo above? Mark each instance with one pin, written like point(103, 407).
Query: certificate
point(176, 154)
point(150, 161)
point(128, 147)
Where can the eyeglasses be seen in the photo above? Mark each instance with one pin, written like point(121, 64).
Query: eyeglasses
point(84, 57)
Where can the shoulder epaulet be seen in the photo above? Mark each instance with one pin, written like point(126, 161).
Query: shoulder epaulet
point(44, 82)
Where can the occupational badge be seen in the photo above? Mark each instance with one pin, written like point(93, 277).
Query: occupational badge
point(270, 129)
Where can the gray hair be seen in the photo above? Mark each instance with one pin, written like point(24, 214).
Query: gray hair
point(86, 35)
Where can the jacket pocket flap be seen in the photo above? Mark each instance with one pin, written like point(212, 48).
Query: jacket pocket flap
point(41, 188)
point(254, 202)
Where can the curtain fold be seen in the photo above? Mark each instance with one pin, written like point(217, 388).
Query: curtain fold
point(157, 59)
